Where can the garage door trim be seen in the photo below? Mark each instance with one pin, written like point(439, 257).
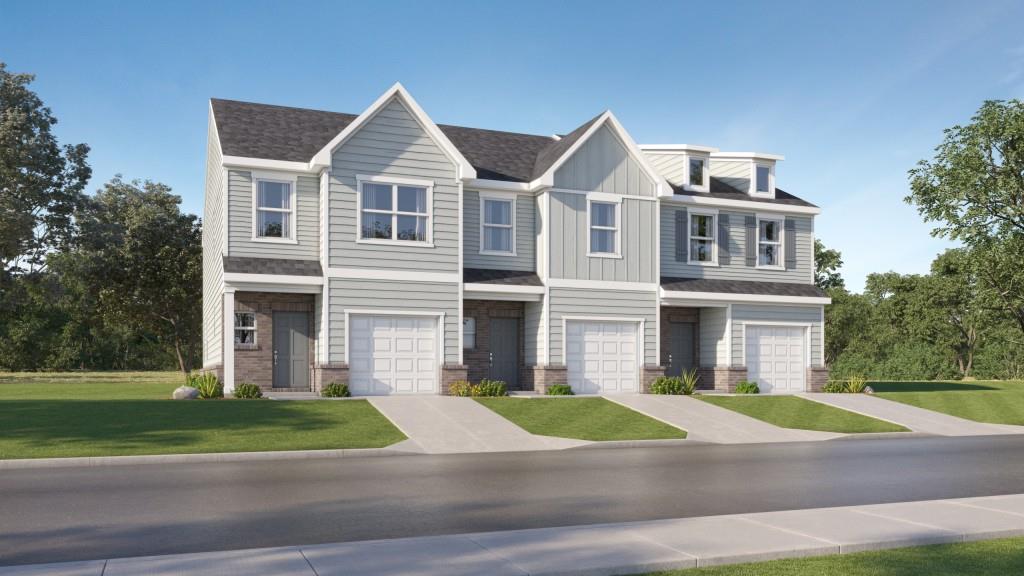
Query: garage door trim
point(422, 314)
point(805, 326)
point(640, 350)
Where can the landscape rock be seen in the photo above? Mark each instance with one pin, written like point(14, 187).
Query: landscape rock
point(869, 390)
point(185, 393)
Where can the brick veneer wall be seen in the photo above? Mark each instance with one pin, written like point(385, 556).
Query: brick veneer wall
point(816, 378)
point(452, 373)
point(722, 379)
point(256, 363)
point(648, 375)
point(477, 360)
point(544, 376)
point(327, 373)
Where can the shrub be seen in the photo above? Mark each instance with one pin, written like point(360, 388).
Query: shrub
point(208, 385)
point(460, 388)
point(667, 385)
point(335, 390)
point(834, 387)
point(490, 388)
point(856, 384)
point(559, 390)
point(745, 387)
point(690, 380)
point(248, 390)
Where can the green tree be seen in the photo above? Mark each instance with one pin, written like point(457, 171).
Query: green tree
point(827, 263)
point(41, 184)
point(143, 258)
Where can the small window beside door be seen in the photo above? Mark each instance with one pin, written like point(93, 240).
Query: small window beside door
point(469, 333)
point(245, 329)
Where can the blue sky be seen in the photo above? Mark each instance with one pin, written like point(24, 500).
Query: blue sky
point(853, 94)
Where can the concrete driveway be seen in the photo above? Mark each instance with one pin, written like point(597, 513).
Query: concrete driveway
point(450, 425)
point(709, 423)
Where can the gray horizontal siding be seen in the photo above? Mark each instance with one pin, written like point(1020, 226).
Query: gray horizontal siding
point(737, 268)
point(525, 236)
point(213, 251)
point(393, 144)
point(349, 294)
point(605, 304)
point(751, 314)
point(307, 220)
point(733, 173)
point(603, 164)
point(713, 341)
point(533, 314)
point(570, 231)
point(671, 167)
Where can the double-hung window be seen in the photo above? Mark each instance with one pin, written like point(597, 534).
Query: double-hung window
point(769, 242)
point(604, 228)
point(274, 209)
point(497, 225)
point(245, 328)
point(395, 212)
point(702, 238)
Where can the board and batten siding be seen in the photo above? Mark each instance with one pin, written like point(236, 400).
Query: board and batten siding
point(525, 235)
point(603, 164)
point(369, 295)
point(672, 167)
point(570, 232)
point(307, 220)
point(606, 304)
point(753, 313)
point(737, 268)
point(213, 251)
point(393, 143)
point(713, 341)
point(735, 173)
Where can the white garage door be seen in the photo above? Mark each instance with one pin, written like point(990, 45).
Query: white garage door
point(393, 355)
point(602, 356)
point(775, 358)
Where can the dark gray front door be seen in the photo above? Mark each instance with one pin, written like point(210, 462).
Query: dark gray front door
point(681, 347)
point(505, 351)
point(291, 350)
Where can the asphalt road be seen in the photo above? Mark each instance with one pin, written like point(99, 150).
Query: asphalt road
point(50, 515)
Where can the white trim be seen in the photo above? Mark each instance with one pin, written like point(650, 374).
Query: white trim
point(292, 181)
point(728, 335)
point(640, 348)
point(781, 220)
point(462, 287)
point(814, 258)
point(512, 199)
point(747, 204)
point(497, 185)
point(395, 183)
point(225, 206)
point(602, 285)
point(228, 345)
point(754, 192)
point(504, 296)
point(265, 164)
point(325, 237)
point(236, 277)
point(748, 156)
point(807, 338)
point(602, 198)
point(396, 275)
point(503, 288)
point(713, 214)
point(255, 340)
point(743, 298)
point(610, 197)
point(439, 327)
point(325, 320)
point(463, 168)
point(677, 148)
point(657, 301)
point(821, 335)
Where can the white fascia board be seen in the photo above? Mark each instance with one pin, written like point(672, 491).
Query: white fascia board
point(744, 204)
point(602, 285)
point(741, 298)
point(497, 185)
point(266, 164)
point(323, 158)
point(391, 275)
point(237, 277)
point(748, 156)
point(678, 148)
point(503, 288)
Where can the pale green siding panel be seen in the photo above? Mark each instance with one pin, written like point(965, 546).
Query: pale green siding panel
point(525, 240)
point(605, 304)
point(603, 164)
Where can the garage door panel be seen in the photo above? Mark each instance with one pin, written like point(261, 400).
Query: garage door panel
point(601, 356)
point(776, 358)
point(392, 354)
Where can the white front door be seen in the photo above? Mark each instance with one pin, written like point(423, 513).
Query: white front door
point(393, 355)
point(601, 356)
point(776, 358)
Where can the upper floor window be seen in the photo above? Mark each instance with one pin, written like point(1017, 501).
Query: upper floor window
point(769, 242)
point(394, 212)
point(763, 179)
point(274, 209)
point(604, 228)
point(702, 238)
point(696, 172)
point(497, 225)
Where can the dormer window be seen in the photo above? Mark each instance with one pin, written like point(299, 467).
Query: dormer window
point(763, 182)
point(696, 171)
point(698, 177)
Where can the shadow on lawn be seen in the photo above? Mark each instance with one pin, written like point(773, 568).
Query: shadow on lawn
point(136, 424)
point(929, 386)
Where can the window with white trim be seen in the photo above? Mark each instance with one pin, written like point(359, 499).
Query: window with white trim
point(769, 242)
point(604, 228)
point(763, 179)
point(702, 238)
point(497, 225)
point(469, 333)
point(394, 212)
point(274, 211)
point(245, 328)
point(697, 168)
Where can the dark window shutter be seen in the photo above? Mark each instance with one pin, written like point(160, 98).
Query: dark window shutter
point(790, 240)
point(751, 250)
point(682, 238)
point(723, 239)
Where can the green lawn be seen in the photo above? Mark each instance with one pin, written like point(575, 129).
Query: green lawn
point(997, 402)
point(988, 558)
point(794, 412)
point(114, 414)
point(581, 418)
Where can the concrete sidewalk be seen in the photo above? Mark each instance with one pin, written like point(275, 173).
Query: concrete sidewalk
point(709, 423)
point(604, 549)
point(917, 419)
point(449, 425)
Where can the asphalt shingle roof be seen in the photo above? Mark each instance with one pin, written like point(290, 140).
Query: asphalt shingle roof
point(504, 277)
point(246, 265)
point(741, 287)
